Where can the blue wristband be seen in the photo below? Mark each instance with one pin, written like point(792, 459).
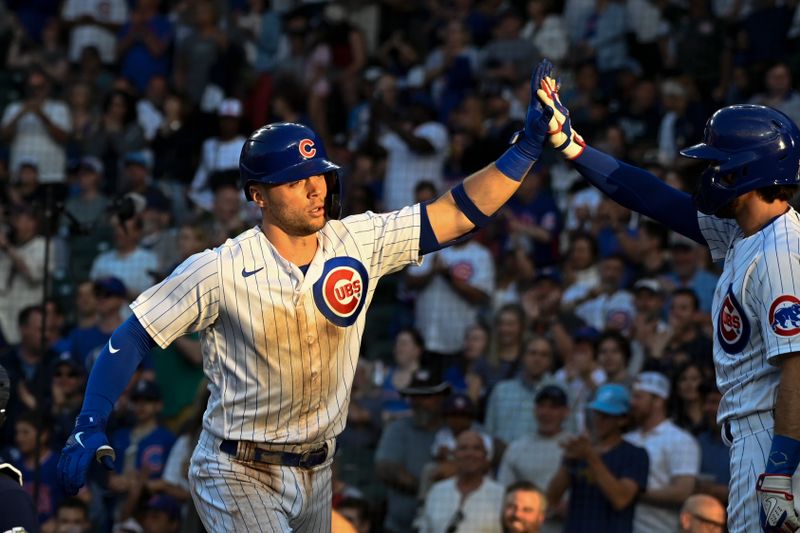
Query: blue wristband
point(784, 455)
point(517, 161)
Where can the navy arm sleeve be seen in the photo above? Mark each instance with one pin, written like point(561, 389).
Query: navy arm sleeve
point(640, 191)
point(427, 238)
point(115, 366)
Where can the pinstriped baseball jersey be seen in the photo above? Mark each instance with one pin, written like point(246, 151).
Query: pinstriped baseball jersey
point(756, 309)
point(280, 347)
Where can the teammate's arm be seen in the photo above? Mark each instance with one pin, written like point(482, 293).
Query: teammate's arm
point(473, 202)
point(774, 486)
point(787, 406)
point(627, 185)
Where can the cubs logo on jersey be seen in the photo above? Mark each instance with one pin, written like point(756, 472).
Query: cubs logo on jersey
point(733, 328)
point(462, 270)
point(341, 291)
point(784, 315)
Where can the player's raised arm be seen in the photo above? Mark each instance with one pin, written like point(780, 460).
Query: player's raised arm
point(627, 185)
point(472, 203)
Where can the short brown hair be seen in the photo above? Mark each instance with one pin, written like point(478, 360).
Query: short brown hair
point(778, 192)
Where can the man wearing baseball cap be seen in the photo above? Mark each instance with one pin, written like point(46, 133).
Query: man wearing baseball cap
point(550, 411)
point(405, 447)
point(674, 455)
point(605, 475)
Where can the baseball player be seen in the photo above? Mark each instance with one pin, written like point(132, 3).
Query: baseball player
point(17, 512)
point(281, 309)
point(741, 212)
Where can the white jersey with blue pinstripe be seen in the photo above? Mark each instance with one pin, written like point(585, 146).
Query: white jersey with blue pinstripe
point(756, 309)
point(280, 347)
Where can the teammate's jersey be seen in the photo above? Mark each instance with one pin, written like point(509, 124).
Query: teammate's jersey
point(280, 348)
point(756, 309)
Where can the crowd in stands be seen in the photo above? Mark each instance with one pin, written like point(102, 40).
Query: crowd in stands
point(552, 373)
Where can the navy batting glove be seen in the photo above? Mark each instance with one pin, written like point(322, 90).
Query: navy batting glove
point(537, 118)
point(87, 443)
point(527, 143)
point(562, 136)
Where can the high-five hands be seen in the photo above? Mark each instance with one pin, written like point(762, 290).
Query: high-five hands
point(561, 135)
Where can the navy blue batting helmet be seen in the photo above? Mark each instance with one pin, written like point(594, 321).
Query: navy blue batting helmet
point(284, 152)
point(750, 147)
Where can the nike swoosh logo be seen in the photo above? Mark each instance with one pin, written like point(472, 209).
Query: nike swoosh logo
point(772, 502)
point(78, 438)
point(111, 348)
point(246, 274)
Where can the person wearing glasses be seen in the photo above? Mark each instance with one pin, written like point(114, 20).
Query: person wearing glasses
point(470, 501)
point(702, 514)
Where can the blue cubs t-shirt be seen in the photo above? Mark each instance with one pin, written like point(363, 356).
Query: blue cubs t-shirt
point(150, 453)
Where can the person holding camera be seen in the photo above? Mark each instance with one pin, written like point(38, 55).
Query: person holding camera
point(37, 128)
point(22, 267)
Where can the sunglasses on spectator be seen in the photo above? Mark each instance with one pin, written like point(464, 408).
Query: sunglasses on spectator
point(67, 374)
point(708, 524)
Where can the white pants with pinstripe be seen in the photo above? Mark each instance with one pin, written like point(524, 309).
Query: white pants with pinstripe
point(232, 495)
point(752, 439)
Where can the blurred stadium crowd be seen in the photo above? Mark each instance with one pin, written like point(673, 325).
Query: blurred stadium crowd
point(122, 123)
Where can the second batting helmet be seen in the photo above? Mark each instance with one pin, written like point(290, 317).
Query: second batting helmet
point(750, 147)
point(284, 152)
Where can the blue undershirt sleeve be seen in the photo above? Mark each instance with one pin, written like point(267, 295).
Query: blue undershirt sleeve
point(641, 191)
point(113, 370)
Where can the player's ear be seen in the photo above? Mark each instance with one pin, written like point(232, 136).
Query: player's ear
point(258, 194)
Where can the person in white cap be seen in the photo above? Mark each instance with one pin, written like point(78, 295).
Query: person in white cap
point(220, 153)
point(674, 456)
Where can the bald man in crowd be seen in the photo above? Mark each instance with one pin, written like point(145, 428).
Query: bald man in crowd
point(702, 514)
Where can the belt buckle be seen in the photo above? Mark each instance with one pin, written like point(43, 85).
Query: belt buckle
point(305, 457)
point(310, 458)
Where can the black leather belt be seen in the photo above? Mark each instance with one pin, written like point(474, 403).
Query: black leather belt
point(307, 459)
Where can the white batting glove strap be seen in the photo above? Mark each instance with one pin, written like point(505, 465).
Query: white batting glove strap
point(777, 503)
point(561, 135)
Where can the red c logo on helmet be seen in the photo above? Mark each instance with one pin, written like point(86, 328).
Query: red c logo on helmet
point(306, 148)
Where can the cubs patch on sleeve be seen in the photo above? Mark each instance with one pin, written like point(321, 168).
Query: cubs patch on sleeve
point(777, 290)
point(784, 315)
